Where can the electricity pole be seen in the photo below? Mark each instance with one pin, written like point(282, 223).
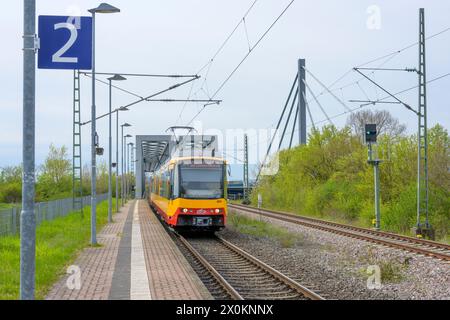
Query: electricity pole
point(245, 182)
point(420, 229)
point(422, 151)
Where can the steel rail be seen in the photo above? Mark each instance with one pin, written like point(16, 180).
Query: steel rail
point(224, 283)
point(357, 232)
point(283, 278)
point(302, 290)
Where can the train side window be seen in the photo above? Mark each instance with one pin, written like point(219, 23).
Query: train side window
point(171, 191)
point(175, 182)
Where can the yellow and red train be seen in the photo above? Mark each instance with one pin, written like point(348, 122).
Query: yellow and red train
point(190, 193)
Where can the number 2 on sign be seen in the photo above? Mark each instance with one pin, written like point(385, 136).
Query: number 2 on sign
point(57, 57)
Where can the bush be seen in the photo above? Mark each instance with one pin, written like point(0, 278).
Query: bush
point(330, 178)
point(11, 193)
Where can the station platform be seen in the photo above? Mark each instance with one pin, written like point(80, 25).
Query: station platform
point(136, 260)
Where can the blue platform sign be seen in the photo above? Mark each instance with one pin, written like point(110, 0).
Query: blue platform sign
point(65, 43)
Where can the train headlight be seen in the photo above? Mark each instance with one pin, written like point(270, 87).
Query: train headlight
point(217, 210)
point(185, 210)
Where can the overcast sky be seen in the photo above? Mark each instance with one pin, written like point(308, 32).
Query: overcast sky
point(181, 36)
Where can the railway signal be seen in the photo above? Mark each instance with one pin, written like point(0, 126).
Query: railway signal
point(370, 137)
point(370, 133)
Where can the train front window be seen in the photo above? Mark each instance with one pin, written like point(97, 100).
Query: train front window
point(201, 181)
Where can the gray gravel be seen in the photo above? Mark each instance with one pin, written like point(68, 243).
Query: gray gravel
point(335, 266)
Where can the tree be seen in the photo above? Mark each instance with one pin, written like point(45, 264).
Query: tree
point(10, 174)
point(386, 123)
point(55, 174)
point(11, 184)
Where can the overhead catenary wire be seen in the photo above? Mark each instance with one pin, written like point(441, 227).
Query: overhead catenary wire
point(389, 57)
point(114, 86)
point(222, 85)
point(368, 104)
point(217, 52)
point(141, 99)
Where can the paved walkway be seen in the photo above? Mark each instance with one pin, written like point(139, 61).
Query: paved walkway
point(137, 260)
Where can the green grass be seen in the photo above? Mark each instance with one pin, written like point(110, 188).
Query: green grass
point(260, 229)
point(6, 205)
point(57, 244)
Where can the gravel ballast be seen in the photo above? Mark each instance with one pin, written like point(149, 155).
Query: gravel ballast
point(336, 266)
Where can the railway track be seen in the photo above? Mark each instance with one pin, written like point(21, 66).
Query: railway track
point(419, 246)
point(240, 275)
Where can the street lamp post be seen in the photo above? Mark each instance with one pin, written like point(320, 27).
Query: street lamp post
point(124, 141)
point(117, 155)
point(114, 78)
point(127, 170)
point(102, 8)
point(130, 157)
point(127, 165)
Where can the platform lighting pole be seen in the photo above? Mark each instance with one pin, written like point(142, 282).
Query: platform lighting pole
point(122, 181)
point(129, 152)
point(117, 155)
point(102, 8)
point(27, 217)
point(125, 172)
point(110, 80)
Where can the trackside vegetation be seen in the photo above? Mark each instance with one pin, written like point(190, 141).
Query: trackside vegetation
point(57, 244)
point(53, 179)
point(329, 178)
point(259, 228)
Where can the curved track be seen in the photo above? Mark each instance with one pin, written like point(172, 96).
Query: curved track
point(419, 246)
point(242, 276)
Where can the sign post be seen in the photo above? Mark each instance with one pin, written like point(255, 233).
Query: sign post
point(62, 45)
point(27, 217)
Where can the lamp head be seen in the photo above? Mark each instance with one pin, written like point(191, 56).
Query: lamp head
point(104, 8)
point(117, 77)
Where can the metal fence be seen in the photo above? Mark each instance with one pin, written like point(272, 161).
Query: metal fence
point(44, 211)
